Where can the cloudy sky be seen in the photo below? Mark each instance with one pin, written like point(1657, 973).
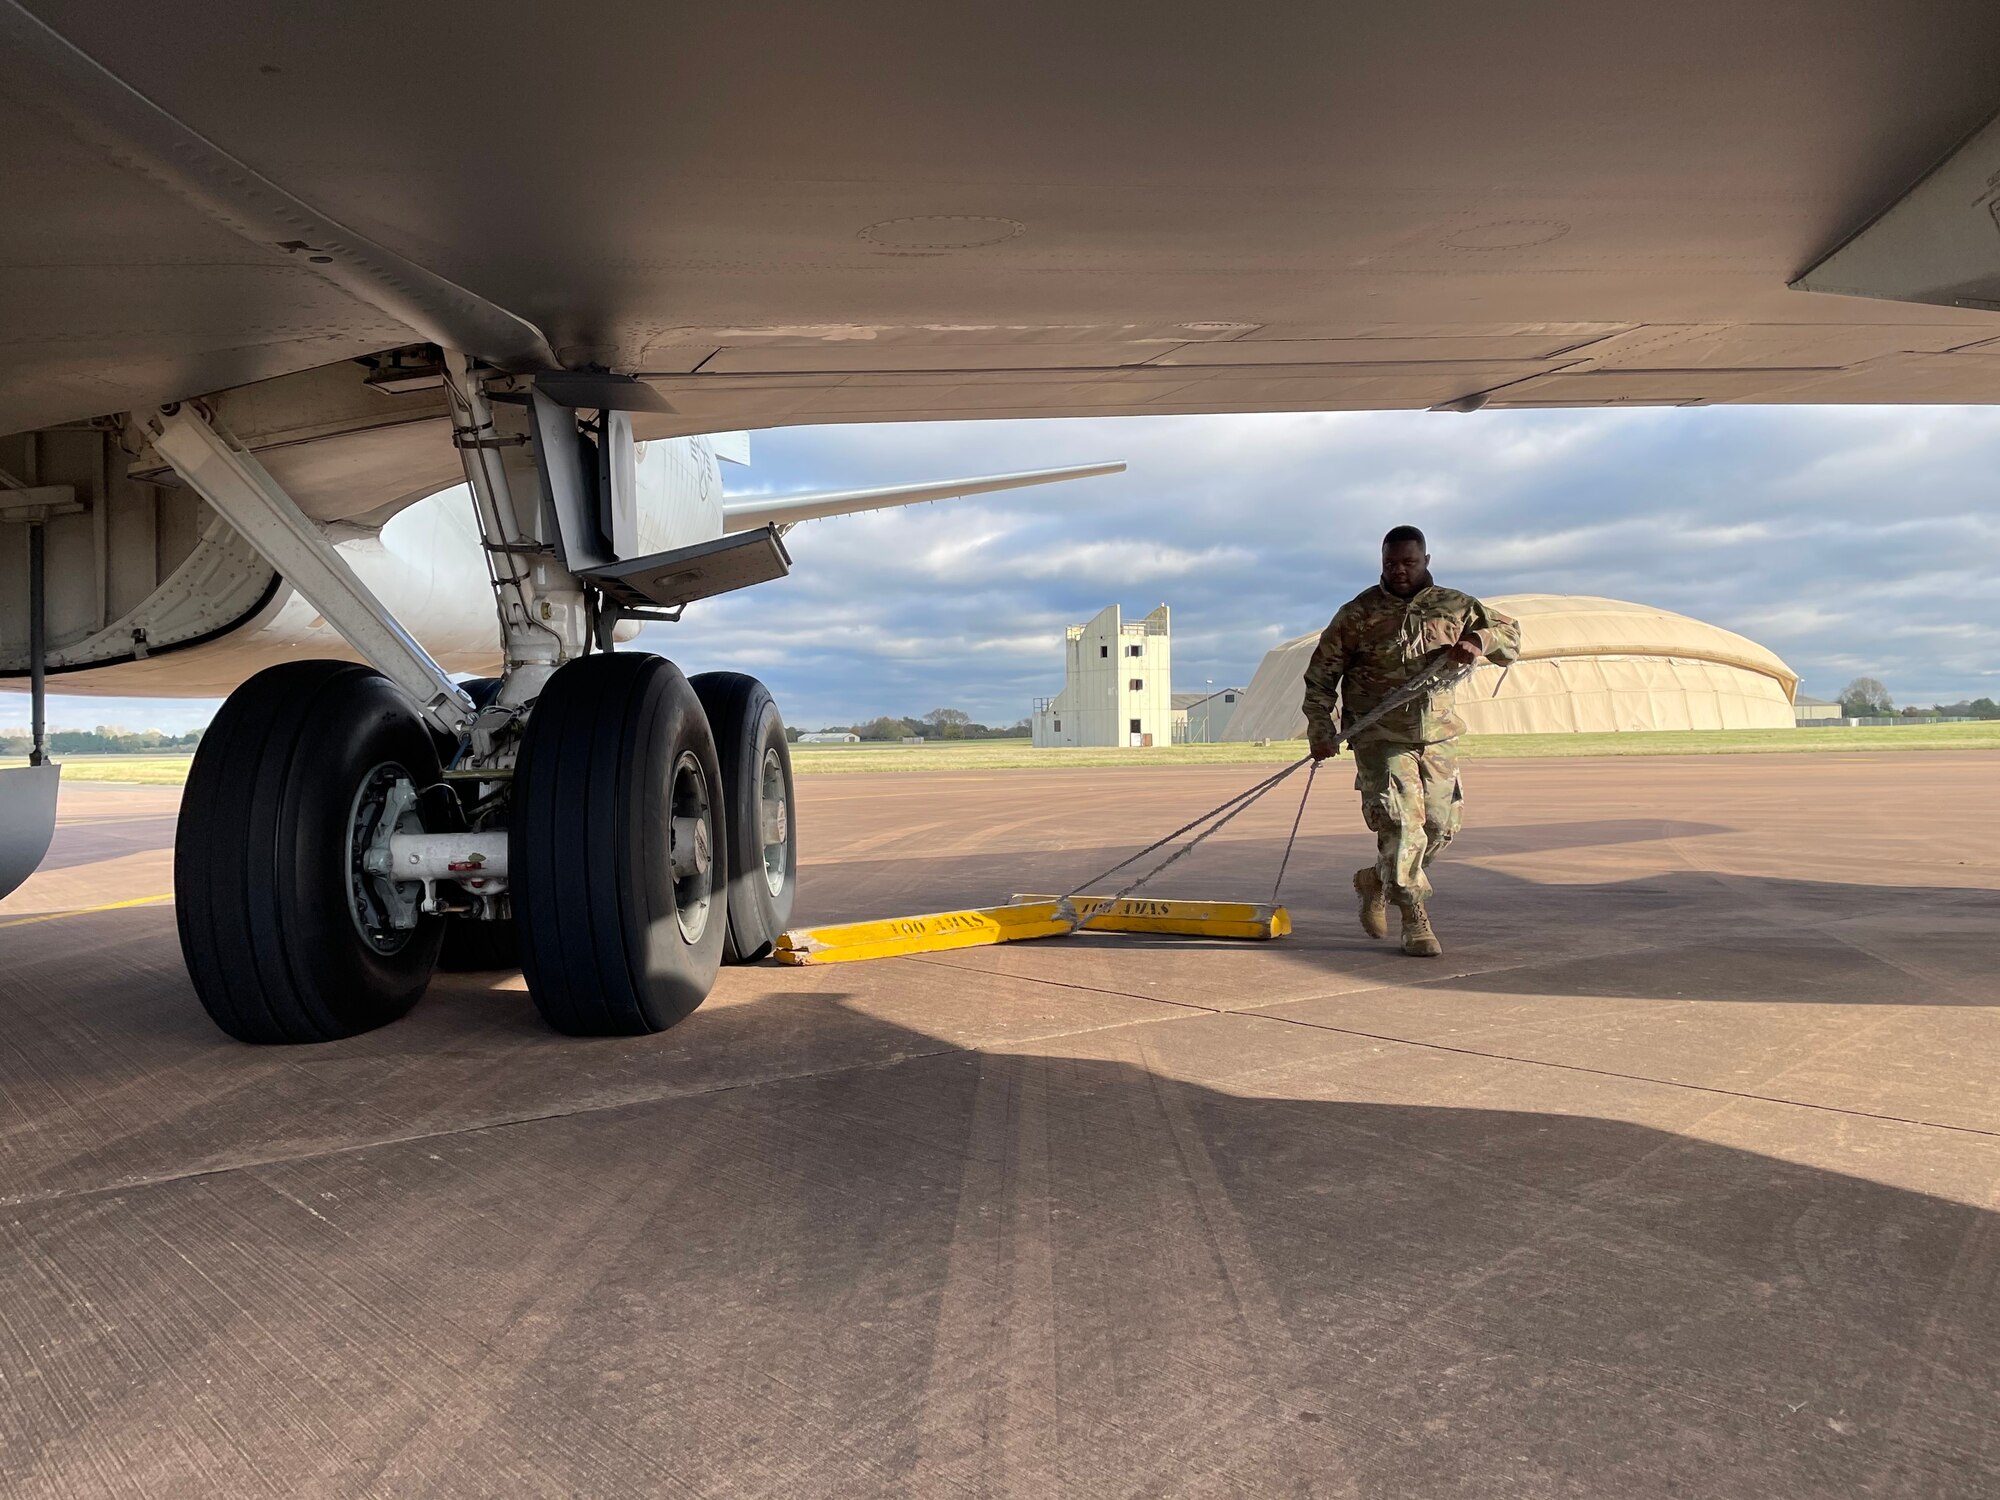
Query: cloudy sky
point(1849, 540)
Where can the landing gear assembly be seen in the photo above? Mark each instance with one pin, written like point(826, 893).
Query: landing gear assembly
point(616, 828)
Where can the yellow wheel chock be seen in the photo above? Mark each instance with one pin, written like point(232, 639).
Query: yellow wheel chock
point(1029, 917)
point(1219, 919)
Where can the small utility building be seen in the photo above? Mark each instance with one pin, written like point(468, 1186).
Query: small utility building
point(1200, 718)
point(1117, 684)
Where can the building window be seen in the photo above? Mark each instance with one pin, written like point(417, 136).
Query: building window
point(1138, 650)
point(1058, 726)
point(1138, 684)
point(1103, 650)
point(1228, 697)
point(1135, 726)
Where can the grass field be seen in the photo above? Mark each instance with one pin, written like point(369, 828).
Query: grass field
point(1010, 755)
point(133, 770)
point(1019, 755)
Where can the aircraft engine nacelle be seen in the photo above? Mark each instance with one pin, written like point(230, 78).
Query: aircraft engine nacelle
point(679, 490)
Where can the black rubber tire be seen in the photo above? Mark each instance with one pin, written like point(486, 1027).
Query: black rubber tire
point(589, 848)
point(260, 856)
point(745, 720)
point(475, 946)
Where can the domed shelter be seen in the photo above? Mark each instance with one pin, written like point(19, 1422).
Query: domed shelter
point(1587, 665)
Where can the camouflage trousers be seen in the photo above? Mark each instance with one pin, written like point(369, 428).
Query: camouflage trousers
point(1411, 799)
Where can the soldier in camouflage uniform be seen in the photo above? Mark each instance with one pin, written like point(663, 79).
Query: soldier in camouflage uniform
point(1405, 767)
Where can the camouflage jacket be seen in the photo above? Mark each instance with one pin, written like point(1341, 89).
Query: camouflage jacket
point(1378, 642)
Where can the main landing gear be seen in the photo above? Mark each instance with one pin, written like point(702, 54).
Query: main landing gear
point(648, 836)
point(615, 829)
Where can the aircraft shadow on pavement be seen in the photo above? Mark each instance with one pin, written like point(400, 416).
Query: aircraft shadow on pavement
point(893, 1266)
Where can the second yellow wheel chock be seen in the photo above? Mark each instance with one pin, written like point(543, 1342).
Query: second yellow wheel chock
point(1028, 917)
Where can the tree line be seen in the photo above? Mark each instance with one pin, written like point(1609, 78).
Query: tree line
point(100, 741)
point(938, 724)
point(1867, 698)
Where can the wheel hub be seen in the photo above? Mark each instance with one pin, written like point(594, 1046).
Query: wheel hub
point(384, 910)
point(692, 854)
point(774, 819)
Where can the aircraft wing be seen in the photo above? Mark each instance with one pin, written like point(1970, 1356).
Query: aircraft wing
point(778, 214)
point(785, 510)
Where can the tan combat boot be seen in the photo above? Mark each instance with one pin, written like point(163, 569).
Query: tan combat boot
point(1418, 939)
point(1374, 902)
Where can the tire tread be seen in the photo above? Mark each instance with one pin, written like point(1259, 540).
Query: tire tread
point(245, 931)
point(580, 857)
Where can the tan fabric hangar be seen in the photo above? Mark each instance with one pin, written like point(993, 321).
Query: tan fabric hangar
point(1586, 665)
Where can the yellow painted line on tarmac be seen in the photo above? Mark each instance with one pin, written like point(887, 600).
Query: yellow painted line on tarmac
point(85, 911)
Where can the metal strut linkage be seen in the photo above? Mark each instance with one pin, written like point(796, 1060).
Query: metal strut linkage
point(244, 494)
point(543, 620)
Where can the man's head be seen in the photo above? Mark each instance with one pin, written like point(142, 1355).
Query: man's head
point(1406, 564)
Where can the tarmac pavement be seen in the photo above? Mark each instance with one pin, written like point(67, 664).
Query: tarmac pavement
point(1678, 1174)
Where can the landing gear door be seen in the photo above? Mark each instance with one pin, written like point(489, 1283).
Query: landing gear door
point(618, 485)
point(567, 464)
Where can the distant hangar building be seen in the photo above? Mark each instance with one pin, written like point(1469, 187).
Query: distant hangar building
point(1587, 665)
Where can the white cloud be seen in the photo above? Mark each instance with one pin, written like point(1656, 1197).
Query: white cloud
point(1129, 559)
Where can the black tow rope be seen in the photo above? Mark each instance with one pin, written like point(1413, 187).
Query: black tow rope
point(1439, 675)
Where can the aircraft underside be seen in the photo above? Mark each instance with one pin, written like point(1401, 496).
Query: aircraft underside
point(265, 303)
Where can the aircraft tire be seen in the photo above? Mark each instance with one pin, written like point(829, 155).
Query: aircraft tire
point(621, 928)
point(264, 884)
point(756, 767)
